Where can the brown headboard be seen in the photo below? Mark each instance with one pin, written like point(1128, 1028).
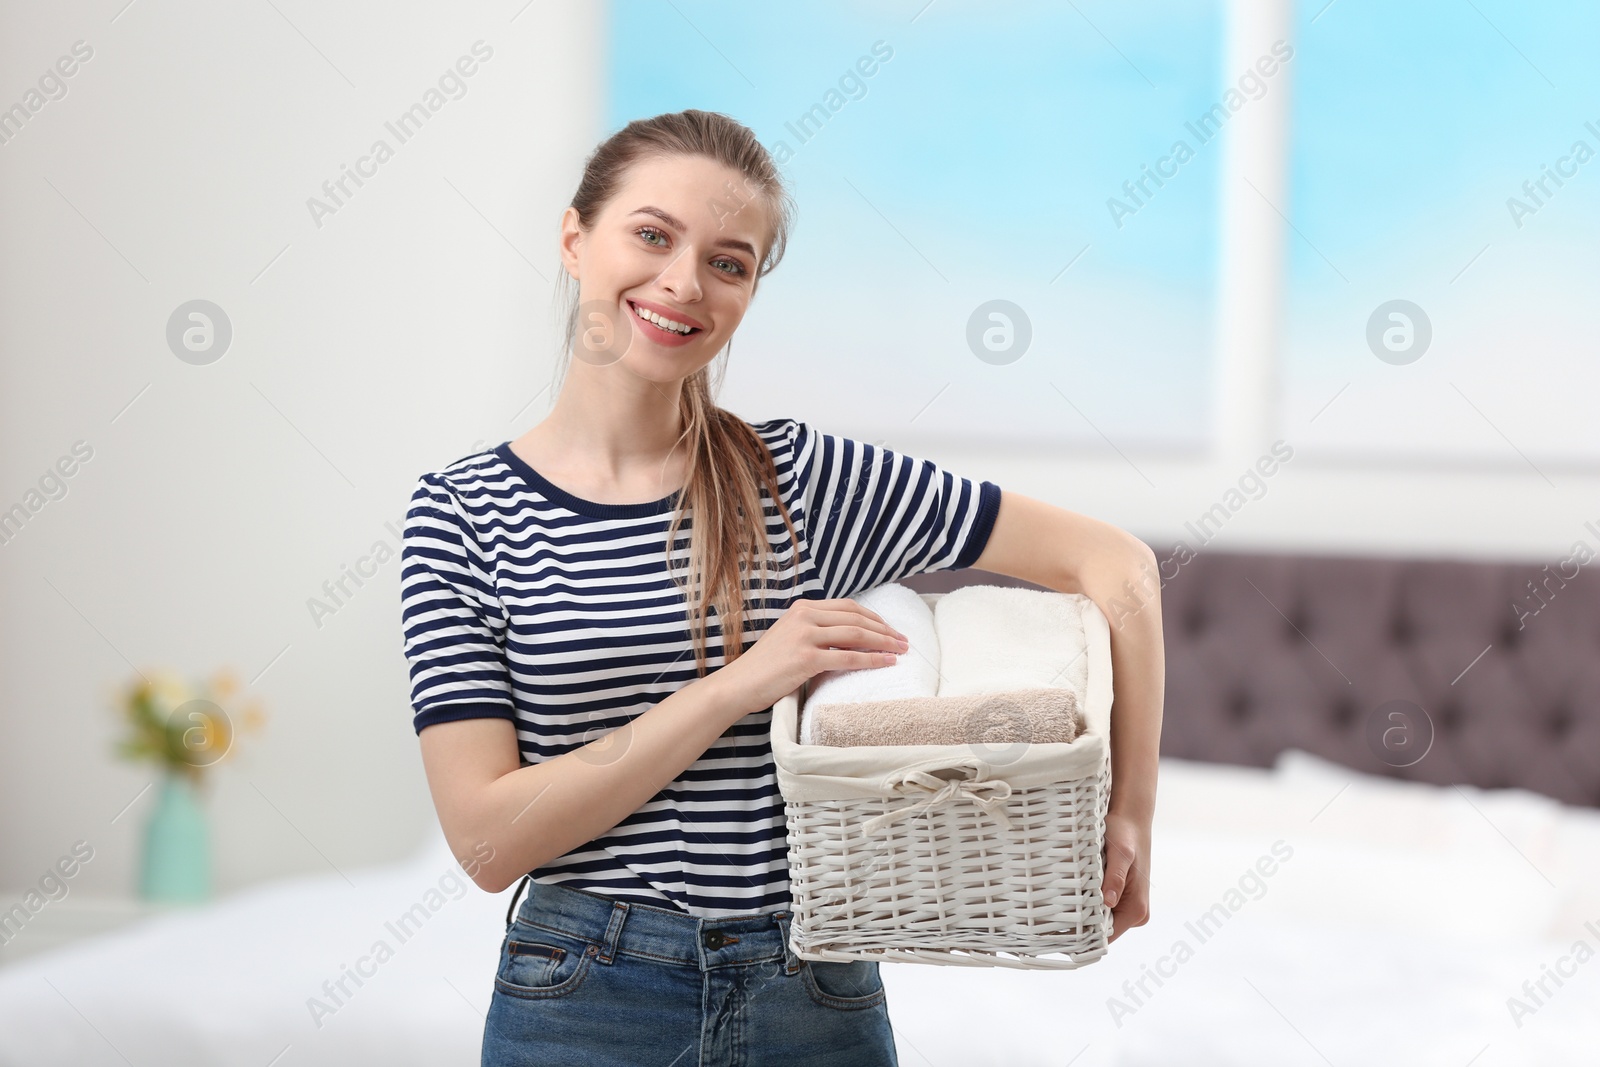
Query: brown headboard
point(1266, 652)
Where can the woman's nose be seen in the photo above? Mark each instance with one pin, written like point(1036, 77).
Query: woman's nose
point(678, 278)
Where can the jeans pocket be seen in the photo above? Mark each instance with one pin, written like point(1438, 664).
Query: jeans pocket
point(847, 986)
point(538, 963)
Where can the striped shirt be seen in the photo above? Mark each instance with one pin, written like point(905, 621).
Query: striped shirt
point(523, 602)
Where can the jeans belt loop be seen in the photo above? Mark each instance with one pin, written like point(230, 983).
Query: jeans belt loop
point(512, 910)
point(791, 961)
point(619, 915)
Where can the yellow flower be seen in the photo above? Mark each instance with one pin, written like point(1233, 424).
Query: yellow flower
point(252, 718)
point(169, 690)
point(225, 684)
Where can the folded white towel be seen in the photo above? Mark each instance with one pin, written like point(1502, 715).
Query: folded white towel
point(915, 675)
point(993, 638)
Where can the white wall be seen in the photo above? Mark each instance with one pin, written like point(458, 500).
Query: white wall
point(409, 328)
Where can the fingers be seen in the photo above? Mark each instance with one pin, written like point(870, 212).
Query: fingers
point(1131, 910)
point(1116, 878)
point(1119, 860)
point(846, 605)
point(849, 613)
point(1129, 903)
point(1126, 911)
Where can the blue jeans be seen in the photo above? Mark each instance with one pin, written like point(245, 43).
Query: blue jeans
point(588, 979)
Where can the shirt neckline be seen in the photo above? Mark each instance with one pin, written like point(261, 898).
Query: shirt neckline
point(577, 503)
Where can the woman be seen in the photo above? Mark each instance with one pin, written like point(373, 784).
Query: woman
point(584, 727)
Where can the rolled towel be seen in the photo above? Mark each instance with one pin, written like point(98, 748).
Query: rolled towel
point(995, 638)
point(1040, 715)
point(916, 674)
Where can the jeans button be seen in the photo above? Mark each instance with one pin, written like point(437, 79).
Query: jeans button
point(712, 939)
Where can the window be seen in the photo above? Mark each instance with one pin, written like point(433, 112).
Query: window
point(1447, 155)
point(947, 158)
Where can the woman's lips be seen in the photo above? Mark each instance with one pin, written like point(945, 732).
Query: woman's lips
point(670, 338)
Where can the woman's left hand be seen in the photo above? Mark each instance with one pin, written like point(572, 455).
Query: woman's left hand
point(1126, 885)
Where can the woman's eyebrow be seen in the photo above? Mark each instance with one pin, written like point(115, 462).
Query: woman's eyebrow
point(670, 220)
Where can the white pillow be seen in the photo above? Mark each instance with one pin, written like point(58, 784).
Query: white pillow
point(1490, 862)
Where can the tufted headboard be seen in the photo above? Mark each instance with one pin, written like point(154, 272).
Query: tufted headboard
point(1358, 660)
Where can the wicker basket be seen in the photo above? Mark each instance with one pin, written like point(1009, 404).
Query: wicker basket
point(972, 856)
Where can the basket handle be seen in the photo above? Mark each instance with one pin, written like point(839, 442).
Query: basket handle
point(988, 793)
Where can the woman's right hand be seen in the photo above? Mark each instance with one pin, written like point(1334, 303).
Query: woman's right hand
point(811, 636)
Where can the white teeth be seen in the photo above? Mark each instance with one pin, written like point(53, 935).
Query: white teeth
point(665, 324)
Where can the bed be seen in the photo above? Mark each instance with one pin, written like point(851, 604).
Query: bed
point(1312, 904)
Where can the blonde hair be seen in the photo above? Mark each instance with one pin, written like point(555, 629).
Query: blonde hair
point(729, 464)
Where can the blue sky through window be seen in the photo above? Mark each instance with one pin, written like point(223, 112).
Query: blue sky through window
point(974, 163)
point(1423, 140)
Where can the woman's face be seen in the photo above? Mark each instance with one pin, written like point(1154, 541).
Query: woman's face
point(682, 239)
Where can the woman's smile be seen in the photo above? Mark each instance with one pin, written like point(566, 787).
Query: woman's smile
point(663, 335)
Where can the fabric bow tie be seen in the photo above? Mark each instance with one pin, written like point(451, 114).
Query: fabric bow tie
point(989, 793)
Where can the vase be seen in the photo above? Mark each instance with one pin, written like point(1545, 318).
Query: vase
point(177, 846)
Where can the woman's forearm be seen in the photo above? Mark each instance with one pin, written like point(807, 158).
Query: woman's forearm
point(1128, 593)
point(542, 811)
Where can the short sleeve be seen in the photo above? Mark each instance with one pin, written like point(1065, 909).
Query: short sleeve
point(873, 515)
point(453, 620)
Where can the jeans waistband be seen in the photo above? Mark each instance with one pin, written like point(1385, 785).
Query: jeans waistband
point(660, 934)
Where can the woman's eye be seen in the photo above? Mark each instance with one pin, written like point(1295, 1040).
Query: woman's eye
point(650, 231)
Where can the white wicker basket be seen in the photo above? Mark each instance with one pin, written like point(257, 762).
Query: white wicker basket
point(911, 860)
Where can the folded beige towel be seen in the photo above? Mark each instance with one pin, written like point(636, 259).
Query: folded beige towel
point(1042, 715)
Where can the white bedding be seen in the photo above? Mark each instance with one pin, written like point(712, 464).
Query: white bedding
point(1396, 930)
